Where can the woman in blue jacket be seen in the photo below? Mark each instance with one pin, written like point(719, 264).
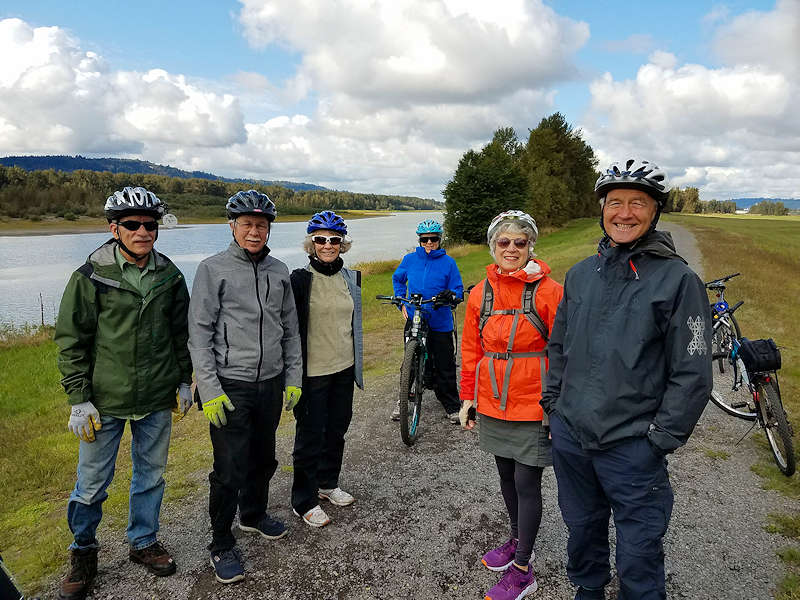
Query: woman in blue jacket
point(429, 271)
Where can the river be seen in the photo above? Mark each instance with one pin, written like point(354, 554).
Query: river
point(34, 265)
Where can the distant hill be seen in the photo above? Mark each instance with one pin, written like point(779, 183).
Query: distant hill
point(790, 203)
point(127, 165)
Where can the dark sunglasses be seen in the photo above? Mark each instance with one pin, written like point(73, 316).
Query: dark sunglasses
point(518, 243)
point(425, 240)
point(333, 240)
point(134, 225)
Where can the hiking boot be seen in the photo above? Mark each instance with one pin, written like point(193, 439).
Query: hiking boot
point(228, 565)
point(515, 584)
point(270, 528)
point(501, 558)
point(336, 496)
point(155, 557)
point(396, 412)
point(81, 575)
point(590, 594)
point(316, 517)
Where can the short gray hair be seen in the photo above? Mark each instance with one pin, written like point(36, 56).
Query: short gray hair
point(308, 245)
point(515, 228)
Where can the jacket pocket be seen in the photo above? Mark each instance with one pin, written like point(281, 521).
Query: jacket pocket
point(227, 345)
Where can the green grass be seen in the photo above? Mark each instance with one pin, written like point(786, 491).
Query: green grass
point(37, 465)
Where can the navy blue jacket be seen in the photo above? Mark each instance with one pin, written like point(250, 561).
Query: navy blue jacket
point(630, 350)
point(429, 274)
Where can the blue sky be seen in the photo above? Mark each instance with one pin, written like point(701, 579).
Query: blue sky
point(386, 96)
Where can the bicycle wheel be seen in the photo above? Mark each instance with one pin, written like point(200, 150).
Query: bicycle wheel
point(722, 341)
point(776, 426)
point(731, 393)
point(411, 392)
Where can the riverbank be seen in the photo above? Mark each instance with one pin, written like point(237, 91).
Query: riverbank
point(59, 226)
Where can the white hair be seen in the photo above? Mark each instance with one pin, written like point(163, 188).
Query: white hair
point(308, 244)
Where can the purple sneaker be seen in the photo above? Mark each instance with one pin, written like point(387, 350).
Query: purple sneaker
point(500, 558)
point(515, 584)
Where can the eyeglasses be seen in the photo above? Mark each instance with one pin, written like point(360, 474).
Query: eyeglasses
point(431, 240)
point(333, 240)
point(260, 227)
point(518, 243)
point(134, 225)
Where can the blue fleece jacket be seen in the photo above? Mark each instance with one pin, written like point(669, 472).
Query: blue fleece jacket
point(429, 274)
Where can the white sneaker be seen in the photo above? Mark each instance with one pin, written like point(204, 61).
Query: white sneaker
point(454, 418)
point(315, 517)
point(336, 496)
point(396, 412)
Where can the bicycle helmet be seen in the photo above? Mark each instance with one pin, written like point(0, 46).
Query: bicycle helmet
point(133, 201)
point(635, 174)
point(429, 226)
point(522, 219)
point(251, 202)
point(327, 219)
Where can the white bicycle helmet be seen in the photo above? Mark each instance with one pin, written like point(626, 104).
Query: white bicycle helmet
point(523, 219)
point(634, 174)
point(133, 201)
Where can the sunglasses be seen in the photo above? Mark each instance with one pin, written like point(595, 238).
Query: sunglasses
point(333, 240)
point(134, 225)
point(426, 240)
point(518, 243)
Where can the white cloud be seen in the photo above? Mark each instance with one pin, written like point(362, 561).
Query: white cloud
point(731, 130)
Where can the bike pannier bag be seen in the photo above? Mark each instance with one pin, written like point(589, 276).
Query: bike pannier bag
point(760, 355)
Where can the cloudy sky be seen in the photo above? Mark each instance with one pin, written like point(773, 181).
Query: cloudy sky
point(386, 95)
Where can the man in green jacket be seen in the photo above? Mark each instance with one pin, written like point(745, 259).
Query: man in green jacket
point(122, 337)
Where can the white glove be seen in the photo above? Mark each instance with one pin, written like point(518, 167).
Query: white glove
point(467, 415)
point(84, 420)
point(184, 401)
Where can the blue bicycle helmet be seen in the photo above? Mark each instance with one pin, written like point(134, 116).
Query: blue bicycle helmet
point(251, 202)
point(327, 219)
point(429, 226)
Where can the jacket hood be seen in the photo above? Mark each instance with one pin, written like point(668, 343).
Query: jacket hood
point(439, 252)
point(657, 243)
point(528, 273)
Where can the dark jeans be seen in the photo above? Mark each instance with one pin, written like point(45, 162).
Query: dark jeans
point(629, 480)
point(441, 351)
point(323, 416)
point(521, 486)
point(244, 457)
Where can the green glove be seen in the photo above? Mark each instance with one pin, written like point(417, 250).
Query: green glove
point(292, 397)
point(214, 410)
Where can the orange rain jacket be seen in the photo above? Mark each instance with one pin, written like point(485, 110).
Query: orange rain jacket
point(525, 382)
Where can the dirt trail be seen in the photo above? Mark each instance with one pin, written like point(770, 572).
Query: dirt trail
point(425, 515)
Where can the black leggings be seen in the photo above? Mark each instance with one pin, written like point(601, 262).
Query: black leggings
point(521, 486)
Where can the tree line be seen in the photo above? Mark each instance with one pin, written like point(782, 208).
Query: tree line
point(38, 194)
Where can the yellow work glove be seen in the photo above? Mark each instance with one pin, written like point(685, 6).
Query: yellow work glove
point(215, 409)
point(183, 401)
point(292, 396)
point(84, 420)
point(467, 414)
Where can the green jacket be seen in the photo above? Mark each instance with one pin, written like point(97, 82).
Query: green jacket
point(124, 352)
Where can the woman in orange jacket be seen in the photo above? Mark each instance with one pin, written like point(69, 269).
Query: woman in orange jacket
point(503, 363)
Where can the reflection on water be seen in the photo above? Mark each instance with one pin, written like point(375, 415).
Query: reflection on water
point(34, 265)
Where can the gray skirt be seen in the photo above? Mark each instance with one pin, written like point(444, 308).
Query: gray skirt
point(524, 441)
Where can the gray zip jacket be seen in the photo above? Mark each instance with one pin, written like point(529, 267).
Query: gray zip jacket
point(630, 350)
point(242, 322)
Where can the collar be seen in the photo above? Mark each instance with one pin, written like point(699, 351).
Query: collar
point(122, 263)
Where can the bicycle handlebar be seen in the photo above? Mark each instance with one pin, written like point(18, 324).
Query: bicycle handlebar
point(721, 279)
point(415, 300)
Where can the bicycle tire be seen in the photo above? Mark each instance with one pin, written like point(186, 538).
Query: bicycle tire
point(776, 426)
point(731, 394)
point(411, 392)
point(722, 341)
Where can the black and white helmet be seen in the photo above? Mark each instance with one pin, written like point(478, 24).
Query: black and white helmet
point(134, 201)
point(634, 174)
point(251, 202)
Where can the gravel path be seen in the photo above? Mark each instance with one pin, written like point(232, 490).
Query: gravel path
point(425, 515)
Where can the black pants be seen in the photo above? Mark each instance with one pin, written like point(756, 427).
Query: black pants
point(244, 457)
point(441, 350)
point(521, 486)
point(323, 416)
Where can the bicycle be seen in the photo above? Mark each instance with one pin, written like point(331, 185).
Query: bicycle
point(754, 393)
point(412, 372)
point(721, 343)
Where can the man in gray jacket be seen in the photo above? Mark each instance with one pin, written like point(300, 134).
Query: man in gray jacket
point(630, 374)
point(245, 347)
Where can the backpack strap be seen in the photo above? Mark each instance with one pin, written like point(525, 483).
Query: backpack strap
point(529, 309)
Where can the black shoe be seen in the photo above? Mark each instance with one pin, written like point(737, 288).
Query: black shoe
point(81, 575)
point(155, 558)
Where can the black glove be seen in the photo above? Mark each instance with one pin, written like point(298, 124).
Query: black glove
point(446, 298)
